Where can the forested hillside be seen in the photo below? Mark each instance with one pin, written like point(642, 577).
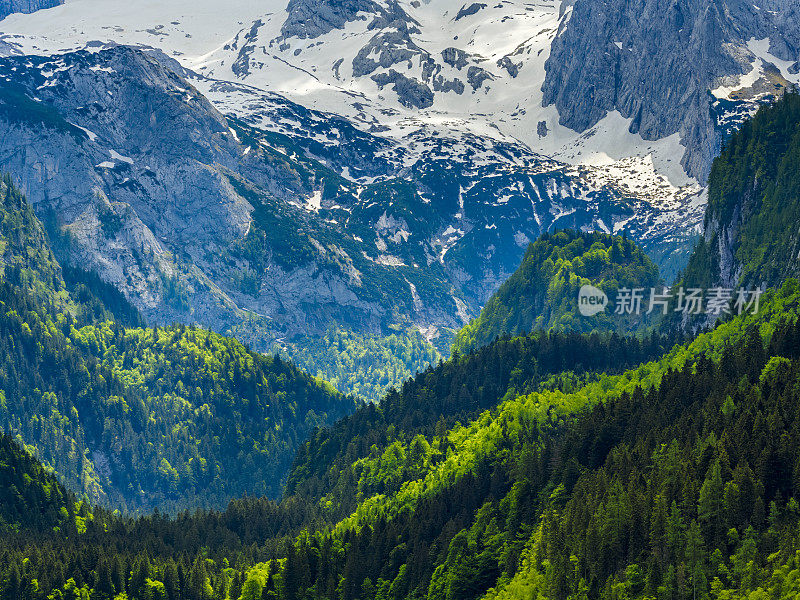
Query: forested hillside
point(25, 255)
point(754, 203)
point(635, 485)
point(508, 486)
point(542, 293)
point(554, 465)
point(364, 365)
point(30, 498)
point(134, 417)
point(458, 390)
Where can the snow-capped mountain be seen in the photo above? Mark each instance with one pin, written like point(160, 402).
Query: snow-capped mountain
point(433, 141)
point(578, 81)
point(201, 217)
point(391, 66)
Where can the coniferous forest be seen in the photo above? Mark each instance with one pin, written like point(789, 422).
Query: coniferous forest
point(545, 459)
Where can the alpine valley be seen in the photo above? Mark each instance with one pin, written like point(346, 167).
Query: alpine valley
point(297, 173)
point(289, 300)
point(548, 465)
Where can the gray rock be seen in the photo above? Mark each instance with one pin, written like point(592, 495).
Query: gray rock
point(117, 135)
point(440, 84)
point(541, 129)
point(476, 76)
point(467, 11)
point(455, 57)
point(392, 47)
point(410, 92)
point(241, 66)
point(655, 60)
point(509, 65)
point(309, 19)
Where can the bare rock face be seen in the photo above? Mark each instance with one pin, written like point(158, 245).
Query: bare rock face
point(8, 7)
point(311, 18)
point(655, 60)
point(410, 92)
point(138, 167)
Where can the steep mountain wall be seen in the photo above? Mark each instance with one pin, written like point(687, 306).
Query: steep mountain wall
point(655, 61)
point(752, 235)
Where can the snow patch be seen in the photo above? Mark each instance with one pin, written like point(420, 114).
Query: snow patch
point(120, 157)
point(92, 135)
point(314, 202)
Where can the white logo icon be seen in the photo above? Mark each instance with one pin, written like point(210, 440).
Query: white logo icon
point(591, 300)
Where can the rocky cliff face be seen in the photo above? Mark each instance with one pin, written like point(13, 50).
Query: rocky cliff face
point(311, 18)
point(655, 61)
point(8, 7)
point(130, 160)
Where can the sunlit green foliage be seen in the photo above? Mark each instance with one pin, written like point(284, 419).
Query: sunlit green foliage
point(438, 398)
point(361, 364)
point(29, 496)
point(633, 486)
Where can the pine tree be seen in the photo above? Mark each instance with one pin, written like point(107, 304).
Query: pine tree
point(710, 504)
point(171, 581)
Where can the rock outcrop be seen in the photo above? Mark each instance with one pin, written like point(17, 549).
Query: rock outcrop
point(655, 61)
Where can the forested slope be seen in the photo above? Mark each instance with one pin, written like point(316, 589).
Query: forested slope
point(753, 209)
point(136, 417)
point(634, 485)
point(365, 365)
point(455, 391)
point(552, 466)
point(542, 293)
point(637, 484)
point(30, 498)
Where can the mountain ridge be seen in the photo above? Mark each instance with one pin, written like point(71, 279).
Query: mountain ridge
point(543, 293)
point(257, 226)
